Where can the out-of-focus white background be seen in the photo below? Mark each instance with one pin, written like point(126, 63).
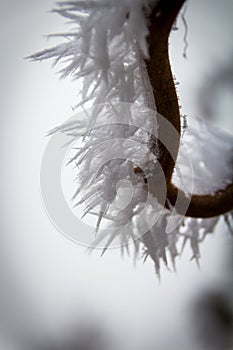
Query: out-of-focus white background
point(50, 284)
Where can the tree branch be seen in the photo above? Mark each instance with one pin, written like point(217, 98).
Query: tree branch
point(202, 206)
point(160, 74)
point(162, 18)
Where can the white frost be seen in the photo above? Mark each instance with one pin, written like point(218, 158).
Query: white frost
point(105, 50)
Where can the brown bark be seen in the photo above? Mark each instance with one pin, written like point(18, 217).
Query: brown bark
point(162, 18)
point(203, 206)
point(159, 69)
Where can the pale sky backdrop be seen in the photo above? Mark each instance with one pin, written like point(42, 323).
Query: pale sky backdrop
point(49, 283)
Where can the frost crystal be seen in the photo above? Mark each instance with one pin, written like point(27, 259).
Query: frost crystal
point(105, 50)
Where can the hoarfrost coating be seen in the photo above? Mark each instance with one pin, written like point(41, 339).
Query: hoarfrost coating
point(106, 50)
point(106, 47)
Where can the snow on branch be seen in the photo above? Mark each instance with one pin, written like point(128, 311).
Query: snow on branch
point(118, 50)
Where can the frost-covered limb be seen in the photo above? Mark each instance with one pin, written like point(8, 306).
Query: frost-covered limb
point(123, 66)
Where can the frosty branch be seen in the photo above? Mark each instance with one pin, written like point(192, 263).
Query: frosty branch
point(120, 138)
point(161, 21)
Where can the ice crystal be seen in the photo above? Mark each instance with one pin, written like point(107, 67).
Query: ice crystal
point(105, 50)
point(106, 47)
